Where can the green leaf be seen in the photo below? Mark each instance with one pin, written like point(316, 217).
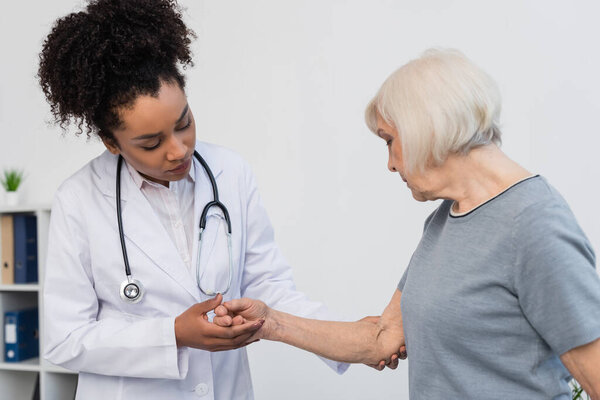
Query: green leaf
point(12, 179)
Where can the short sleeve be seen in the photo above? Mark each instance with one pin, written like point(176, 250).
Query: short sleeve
point(405, 275)
point(555, 277)
point(403, 280)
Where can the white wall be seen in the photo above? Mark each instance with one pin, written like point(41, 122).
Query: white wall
point(285, 84)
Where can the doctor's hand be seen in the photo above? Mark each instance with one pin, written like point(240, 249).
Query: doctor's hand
point(243, 311)
point(192, 329)
point(393, 359)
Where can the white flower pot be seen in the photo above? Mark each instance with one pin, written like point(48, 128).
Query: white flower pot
point(12, 198)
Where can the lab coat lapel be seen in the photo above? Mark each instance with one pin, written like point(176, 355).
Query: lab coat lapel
point(143, 228)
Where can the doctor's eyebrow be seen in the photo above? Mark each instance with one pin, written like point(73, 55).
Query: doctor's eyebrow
point(151, 135)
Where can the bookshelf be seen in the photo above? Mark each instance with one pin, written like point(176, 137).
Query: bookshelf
point(18, 380)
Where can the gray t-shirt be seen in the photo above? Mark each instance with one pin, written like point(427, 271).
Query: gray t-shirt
point(490, 299)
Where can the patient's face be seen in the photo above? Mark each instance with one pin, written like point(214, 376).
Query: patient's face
point(420, 183)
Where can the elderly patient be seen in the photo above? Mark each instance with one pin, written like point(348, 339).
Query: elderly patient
point(501, 299)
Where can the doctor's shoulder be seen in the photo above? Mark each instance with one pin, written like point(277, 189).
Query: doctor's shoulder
point(224, 159)
point(87, 180)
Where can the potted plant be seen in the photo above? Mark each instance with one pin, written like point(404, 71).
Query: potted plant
point(11, 180)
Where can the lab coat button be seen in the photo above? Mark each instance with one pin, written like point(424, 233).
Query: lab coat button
point(201, 389)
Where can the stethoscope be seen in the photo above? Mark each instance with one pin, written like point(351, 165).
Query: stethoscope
point(131, 289)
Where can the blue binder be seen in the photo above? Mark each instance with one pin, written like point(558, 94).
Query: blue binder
point(25, 242)
point(21, 335)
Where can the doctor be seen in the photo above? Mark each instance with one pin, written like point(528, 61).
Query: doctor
point(113, 69)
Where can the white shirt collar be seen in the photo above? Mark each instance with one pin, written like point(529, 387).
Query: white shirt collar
point(139, 180)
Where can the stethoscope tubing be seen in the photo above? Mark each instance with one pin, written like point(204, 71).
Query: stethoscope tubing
point(120, 219)
point(131, 290)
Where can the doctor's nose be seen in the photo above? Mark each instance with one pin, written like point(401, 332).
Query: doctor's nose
point(177, 149)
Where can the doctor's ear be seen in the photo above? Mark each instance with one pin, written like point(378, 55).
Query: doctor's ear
point(111, 144)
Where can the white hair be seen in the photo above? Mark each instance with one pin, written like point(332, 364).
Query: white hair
point(440, 103)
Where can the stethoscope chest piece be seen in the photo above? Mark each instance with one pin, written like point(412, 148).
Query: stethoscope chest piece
point(131, 290)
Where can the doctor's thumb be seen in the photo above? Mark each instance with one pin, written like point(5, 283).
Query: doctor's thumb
point(211, 304)
point(237, 305)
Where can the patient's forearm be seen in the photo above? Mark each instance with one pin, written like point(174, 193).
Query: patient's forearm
point(352, 342)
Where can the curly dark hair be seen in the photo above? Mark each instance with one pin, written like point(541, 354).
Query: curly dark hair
point(98, 60)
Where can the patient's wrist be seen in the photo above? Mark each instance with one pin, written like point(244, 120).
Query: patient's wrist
point(273, 327)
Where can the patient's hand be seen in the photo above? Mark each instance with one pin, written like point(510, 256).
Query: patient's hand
point(225, 318)
point(393, 358)
point(241, 311)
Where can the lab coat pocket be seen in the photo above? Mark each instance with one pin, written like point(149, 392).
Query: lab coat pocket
point(214, 255)
point(109, 312)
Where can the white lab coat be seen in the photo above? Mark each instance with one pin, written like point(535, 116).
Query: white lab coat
point(128, 351)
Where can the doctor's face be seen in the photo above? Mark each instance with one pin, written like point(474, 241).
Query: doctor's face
point(158, 135)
